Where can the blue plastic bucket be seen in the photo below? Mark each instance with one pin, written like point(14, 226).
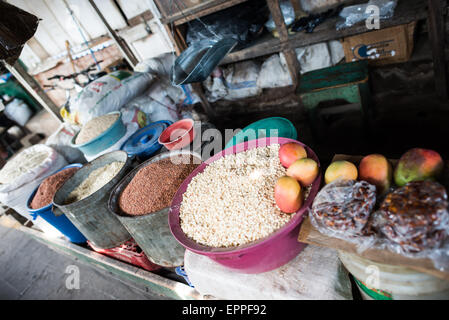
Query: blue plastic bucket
point(61, 222)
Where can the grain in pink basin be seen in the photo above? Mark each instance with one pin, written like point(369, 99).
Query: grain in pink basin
point(259, 256)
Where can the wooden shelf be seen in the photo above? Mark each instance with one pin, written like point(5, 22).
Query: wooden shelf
point(200, 10)
point(406, 12)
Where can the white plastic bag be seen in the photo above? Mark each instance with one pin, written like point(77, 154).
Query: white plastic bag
point(319, 56)
point(61, 139)
point(274, 73)
point(315, 274)
point(40, 158)
point(317, 6)
point(241, 80)
point(15, 194)
point(107, 94)
point(156, 110)
point(361, 12)
point(160, 65)
point(18, 111)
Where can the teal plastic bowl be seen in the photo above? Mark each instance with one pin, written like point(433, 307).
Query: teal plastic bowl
point(105, 140)
point(263, 129)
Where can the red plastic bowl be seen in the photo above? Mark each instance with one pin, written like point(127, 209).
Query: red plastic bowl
point(178, 135)
point(259, 256)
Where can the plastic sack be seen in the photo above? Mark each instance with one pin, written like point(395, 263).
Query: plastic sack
point(16, 28)
point(274, 73)
point(106, 94)
point(241, 80)
point(315, 274)
point(61, 142)
point(156, 110)
point(133, 114)
point(18, 111)
point(215, 86)
point(319, 56)
point(288, 12)
point(317, 6)
point(28, 165)
point(16, 193)
point(160, 65)
point(361, 12)
point(242, 22)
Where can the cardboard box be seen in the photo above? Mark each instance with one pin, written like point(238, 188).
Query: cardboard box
point(381, 47)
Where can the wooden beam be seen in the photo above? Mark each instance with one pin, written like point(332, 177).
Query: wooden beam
point(33, 88)
point(406, 12)
point(121, 43)
point(289, 51)
point(202, 9)
point(437, 38)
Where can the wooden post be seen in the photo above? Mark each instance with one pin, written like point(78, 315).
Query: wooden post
point(33, 88)
point(289, 51)
point(436, 17)
point(121, 43)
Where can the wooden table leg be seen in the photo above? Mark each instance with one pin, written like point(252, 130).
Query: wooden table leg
point(437, 37)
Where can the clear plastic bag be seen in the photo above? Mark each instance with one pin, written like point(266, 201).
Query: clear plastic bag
point(342, 209)
point(357, 13)
point(412, 221)
point(288, 12)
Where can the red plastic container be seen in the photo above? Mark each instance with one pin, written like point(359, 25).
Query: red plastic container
point(128, 252)
point(260, 256)
point(178, 135)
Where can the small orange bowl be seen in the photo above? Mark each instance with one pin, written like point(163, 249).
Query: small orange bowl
point(178, 135)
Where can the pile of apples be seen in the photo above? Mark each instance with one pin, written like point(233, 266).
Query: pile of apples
point(415, 165)
point(301, 173)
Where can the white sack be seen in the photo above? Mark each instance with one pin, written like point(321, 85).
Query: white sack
point(315, 274)
point(61, 139)
point(274, 73)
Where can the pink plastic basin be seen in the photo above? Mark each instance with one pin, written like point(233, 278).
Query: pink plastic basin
point(178, 135)
point(259, 256)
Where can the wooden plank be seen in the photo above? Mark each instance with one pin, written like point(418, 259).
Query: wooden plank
point(308, 234)
point(438, 41)
point(289, 52)
point(144, 16)
point(202, 9)
point(406, 12)
point(121, 43)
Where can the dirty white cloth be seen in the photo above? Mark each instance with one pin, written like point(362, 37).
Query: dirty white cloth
point(315, 274)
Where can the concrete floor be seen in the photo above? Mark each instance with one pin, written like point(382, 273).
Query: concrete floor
point(30, 270)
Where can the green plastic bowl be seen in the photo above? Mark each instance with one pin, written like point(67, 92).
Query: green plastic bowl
point(261, 129)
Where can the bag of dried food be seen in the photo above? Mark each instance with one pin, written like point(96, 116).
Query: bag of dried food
point(23, 173)
point(342, 209)
point(414, 221)
point(106, 94)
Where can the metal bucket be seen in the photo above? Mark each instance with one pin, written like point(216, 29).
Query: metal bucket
point(151, 231)
point(91, 215)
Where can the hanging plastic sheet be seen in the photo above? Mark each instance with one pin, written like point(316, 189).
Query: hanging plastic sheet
point(16, 28)
point(211, 38)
